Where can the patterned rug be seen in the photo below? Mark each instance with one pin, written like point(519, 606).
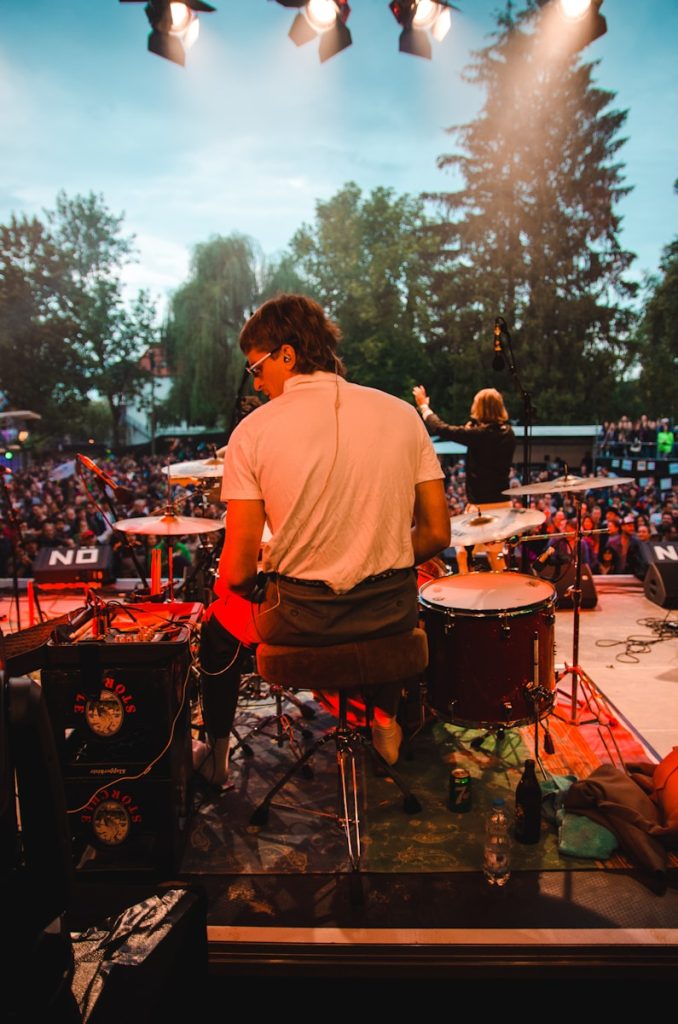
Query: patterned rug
point(302, 834)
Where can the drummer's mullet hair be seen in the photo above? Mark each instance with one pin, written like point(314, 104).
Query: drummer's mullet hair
point(300, 322)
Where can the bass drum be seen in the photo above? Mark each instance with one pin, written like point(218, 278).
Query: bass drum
point(491, 647)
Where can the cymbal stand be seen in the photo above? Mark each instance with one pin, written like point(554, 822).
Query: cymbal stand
point(575, 670)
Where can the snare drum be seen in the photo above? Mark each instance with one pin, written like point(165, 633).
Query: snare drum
point(491, 647)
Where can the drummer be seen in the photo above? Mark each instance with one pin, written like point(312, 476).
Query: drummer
point(491, 444)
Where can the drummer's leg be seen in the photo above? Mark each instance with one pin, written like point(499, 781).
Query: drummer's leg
point(462, 560)
point(221, 655)
point(495, 556)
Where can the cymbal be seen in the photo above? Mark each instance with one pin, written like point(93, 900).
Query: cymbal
point(184, 473)
point(492, 525)
point(168, 525)
point(570, 482)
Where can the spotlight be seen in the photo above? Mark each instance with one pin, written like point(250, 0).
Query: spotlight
point(324, 18)
point(419, 17)
point(580, 21)
point(174, 26)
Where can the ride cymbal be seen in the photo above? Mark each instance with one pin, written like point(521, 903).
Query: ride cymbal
point(492, 525)
point(168, 525)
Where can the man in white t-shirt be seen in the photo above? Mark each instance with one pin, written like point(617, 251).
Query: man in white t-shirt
point(348, 483)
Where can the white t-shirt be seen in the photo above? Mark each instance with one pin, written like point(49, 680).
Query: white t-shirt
point(336, 465)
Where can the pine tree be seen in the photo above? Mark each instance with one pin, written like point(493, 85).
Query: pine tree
point(532, 234)
point(656, 341)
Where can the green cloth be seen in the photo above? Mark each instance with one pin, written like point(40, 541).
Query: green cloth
point(664, 442)
point(578, 836)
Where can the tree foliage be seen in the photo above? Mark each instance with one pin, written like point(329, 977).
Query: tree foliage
point(66, 329)
point(532, 234)
point(202, 331)
point(656, 341)
point(366, 260)
point(112, 334)
point(39, 367)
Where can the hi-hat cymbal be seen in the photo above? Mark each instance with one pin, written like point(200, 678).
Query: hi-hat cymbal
point(570, 482)
point(184, 473)
point(168, 525)
point(492, 525)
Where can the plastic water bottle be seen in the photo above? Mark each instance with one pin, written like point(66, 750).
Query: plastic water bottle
point(497, 853)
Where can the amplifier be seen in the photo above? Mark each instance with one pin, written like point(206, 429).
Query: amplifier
point(119, 705)
point(74, 565)
point(128, 825)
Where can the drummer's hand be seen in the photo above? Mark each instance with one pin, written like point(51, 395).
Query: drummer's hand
point(420, 396)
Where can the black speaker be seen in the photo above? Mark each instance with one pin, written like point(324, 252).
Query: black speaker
point(589, 595)
point(74, 565)
point(661, 584)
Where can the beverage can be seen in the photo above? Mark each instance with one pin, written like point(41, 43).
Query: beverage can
point(460, 790)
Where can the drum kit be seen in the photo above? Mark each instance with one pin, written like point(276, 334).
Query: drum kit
point(491, 635)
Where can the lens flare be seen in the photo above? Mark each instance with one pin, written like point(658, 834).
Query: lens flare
point(442, 25)
point(425, 15)
point(321, 14)
point(574, 9)
point(181, 16)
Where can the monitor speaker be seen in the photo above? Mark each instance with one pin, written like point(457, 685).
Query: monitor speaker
point(661, 584)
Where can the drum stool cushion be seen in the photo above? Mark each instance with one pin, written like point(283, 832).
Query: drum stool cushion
point(368, 662)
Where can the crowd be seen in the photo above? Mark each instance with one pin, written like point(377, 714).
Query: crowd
point(632, 516)
point(72, 511)
point(58, 504)
point(643, 438)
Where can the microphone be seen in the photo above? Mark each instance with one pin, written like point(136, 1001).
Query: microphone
point(62, 634)
point(499, 362)
point(545, 555)
point(122, 494)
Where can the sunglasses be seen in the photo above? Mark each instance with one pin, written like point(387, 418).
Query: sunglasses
point(254, 369)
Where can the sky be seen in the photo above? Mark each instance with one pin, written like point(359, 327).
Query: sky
point(253, 131)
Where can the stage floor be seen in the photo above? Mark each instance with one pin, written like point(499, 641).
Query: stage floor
point(452, 924)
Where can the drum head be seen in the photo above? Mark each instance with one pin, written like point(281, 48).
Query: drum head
point(486, 592)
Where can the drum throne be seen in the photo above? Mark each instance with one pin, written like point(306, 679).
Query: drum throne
point(344, 669)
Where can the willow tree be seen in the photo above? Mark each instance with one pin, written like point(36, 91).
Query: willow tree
point(532, 234)
point(205, 318)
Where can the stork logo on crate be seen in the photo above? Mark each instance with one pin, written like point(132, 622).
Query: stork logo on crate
point(105, 715)
point(111, 813)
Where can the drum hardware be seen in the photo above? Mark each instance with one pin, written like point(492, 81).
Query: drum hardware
point(575, 485)
point(480, 667)
point(168, 525)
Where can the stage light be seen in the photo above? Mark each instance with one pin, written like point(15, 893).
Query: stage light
point(574, 8)
point(324, 18)
point(578, 22)
point(174, 26)
point(418, 18)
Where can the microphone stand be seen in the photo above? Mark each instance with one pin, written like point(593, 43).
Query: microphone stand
point(236, 405)
point(529, 414)
point(118, 533)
